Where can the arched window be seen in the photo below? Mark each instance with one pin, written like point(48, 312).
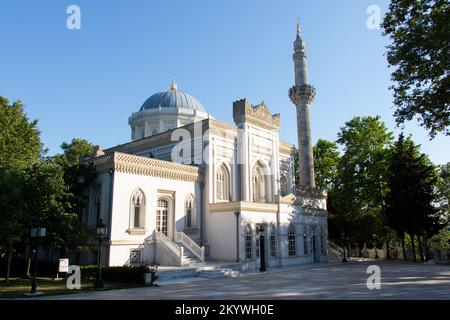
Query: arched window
point(258, 184)
point(223, 183)
point(306, 240)
point(273, 241)
point(283, 186)
point(248, 242)
point(137, 210)
point(257, 246)
point(162, 213)
point(291, 241)
point(190, 212)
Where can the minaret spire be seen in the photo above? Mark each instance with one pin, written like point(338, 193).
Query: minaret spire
point(299, 33)
point(174, 84)
point(302, 95)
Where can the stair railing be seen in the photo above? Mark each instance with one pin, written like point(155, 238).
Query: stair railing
point(169, 246)
point(192, 246)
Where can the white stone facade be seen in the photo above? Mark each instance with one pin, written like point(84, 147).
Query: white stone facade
point(206, 187)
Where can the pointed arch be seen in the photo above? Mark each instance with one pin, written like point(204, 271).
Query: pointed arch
point(222, 182)
point(283, 186)
point(259, 183)
point(291, 240)
point(190, 211)
point(137, 210)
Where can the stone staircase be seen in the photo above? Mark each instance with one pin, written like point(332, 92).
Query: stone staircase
point(190, 259)
point(335, 253)
point(217, 272)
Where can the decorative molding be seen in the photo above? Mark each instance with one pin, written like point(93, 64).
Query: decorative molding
point(137, 232)
point(243, 206)
point(289, 199)
point(125, 243)
point(286, 148)
point(258, 115)
point(127, 163)
point(302, 95)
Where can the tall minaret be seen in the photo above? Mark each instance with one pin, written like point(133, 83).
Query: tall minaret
point(302, 95)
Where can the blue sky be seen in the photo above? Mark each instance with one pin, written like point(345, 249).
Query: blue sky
point(86, 83)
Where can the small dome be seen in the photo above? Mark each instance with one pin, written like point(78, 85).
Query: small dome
point(172, 98)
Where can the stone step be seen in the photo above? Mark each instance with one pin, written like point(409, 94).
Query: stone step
point(218, 273)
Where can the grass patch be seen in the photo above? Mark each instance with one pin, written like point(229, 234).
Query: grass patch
point(19, 287)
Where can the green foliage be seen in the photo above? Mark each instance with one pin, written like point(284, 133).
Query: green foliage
point(409, 205)
point(440, 240)
point(20, 147)
point(74, 152)
point(12, 213)
point(78, 176)
point(20, 142)
point(443, 186)
point(360, 181)
point(419, 54)
point(44, 193)
point(124, 274)
point(326, 158)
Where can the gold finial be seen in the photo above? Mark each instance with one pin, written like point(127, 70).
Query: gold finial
point(298, 28)
point(174, 85)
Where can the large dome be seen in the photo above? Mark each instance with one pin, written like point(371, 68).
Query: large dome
point(172, 98)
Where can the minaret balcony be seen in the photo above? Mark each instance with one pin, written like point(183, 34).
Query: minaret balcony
point(302, 95)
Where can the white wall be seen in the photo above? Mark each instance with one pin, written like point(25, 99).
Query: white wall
point(124, 186)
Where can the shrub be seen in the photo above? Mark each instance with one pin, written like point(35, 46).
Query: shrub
point(123, 274)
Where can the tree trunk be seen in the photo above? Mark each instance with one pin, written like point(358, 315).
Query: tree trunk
point(427, 252)
point(404, 248)
point(8, 267)
point(388, 251)
point(419, 239)
point(413, 247)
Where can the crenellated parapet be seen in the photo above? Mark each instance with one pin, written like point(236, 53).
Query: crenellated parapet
point(302, 94)
point(259, 115)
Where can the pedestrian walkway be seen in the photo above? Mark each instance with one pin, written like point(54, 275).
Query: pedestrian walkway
point(326, 281)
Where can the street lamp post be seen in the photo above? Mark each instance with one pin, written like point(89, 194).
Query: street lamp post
point(33, 281)
point(101, 232)
point(262, 266)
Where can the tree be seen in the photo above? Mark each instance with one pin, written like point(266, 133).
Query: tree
point(361, 178)
point(44, 195)
point(20, 142)
point(12, 214)
point(326, 158)
point(419, 54)
point(444, 189)
point(78, 176)
point(20, 146)
point(409, 206)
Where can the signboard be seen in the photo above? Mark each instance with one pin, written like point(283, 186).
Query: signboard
point(34, 232)
point(64, 265)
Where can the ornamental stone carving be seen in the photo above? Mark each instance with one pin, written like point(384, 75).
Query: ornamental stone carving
point(259, 115)
point(302, 94)
point(132, 164)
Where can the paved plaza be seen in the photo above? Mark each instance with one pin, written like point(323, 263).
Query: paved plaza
point(325, 281)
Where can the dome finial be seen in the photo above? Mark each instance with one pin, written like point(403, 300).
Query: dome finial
point(298, 28)
point(174, 85)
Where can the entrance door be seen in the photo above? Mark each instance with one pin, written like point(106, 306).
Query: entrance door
point(162, 215)
point(260, 228)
